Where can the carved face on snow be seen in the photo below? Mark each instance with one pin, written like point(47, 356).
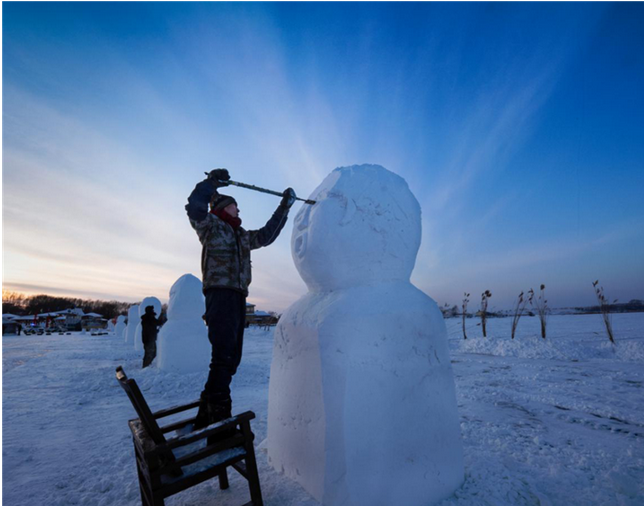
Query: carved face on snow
point(364, 229)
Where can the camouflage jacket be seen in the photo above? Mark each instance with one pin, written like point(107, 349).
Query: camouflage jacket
point(225, 255)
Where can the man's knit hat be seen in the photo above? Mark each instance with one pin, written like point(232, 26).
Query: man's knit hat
point(219, 202)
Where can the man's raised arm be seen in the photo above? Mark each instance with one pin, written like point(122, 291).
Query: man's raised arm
point(197, 206)
point(269, 232)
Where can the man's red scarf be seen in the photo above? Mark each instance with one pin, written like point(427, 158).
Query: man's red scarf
point(233, 222)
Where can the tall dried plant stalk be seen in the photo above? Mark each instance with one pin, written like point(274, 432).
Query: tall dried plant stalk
point(541, 305)
point(518, 311)
point(466, 299)
point(484, 298)
point(604, 307)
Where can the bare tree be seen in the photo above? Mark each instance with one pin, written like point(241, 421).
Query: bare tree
point(541, 305)
point(13, 302)
point(449, 311)
point(42, 303)
point(484, 298)
point(604, 308)
point(518, 311)
point(466, 299)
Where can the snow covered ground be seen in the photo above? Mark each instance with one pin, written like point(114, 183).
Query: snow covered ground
point(555, 422)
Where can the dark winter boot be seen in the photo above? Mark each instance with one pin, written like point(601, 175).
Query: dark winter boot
point(210, 412)
point(202, 419)
point(219, 412)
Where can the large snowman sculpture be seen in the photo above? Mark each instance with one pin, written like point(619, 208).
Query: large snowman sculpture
point(362, 405)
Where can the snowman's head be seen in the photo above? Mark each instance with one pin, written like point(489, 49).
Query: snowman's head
point(364, 229)
point(186, 298)
point(150, 301)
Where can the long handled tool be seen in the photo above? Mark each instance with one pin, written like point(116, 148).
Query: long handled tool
point(263, 190)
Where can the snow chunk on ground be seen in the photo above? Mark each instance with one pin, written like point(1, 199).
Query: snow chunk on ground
point(569, 343)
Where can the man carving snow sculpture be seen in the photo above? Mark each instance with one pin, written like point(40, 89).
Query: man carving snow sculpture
point(225, 264)
point(362, 405)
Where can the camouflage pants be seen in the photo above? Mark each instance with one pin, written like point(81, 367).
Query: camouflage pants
point(225, 316)
point(150, 352)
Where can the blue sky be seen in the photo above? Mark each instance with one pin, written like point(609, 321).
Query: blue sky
point(519, 128)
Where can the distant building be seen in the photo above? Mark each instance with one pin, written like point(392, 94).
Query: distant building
point(29, 320)
point(69, 319)
point(255, 317)
point(91, 321)
point(72, 317)
point(10, 325)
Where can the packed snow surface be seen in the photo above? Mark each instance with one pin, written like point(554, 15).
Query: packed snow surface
point(558, 422)
point(361, 381)
point(183, 345)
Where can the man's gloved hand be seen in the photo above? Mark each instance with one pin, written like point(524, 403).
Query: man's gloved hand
point(288, 198)
point(218, 177)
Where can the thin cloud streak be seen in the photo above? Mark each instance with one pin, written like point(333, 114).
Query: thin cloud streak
point(487, 140)
point(30, 289)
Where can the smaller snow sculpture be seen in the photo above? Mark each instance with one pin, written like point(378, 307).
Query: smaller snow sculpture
point(120, 327)
point(110, 327)
point(183, 340)
point(132, 321)
point(138, 334)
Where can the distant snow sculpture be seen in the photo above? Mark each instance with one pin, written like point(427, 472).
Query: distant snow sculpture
point(183, 339)
point(362, 404)
point(132, 321)
point(120, 327)
point(138, 334)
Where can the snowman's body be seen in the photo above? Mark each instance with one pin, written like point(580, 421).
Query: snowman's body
point(362, 406)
